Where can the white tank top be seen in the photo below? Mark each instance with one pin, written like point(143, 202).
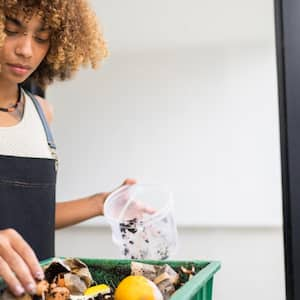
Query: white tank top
point(28, 137)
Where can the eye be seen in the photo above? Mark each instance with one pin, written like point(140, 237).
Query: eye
point(42, 37)
point(42, 40)
point(10, 32)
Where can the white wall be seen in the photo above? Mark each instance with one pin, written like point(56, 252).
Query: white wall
point(202, 120)
point(143, 24)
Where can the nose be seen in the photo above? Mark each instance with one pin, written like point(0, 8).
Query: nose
point(24, 47)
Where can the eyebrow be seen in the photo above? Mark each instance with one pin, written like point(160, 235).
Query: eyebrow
point(15, 21)
point(20, 24)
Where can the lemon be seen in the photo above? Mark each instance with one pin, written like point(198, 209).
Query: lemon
point(97, 289)
point(136, 287)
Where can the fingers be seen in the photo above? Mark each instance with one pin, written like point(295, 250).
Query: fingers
point(18, 264)
point(137, 209)
point(143, 208)
point(148, 210)
point(9, 277)
point(29, 257)
point(129, 181)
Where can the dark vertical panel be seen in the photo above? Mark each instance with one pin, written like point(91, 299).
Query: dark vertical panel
point(287, 19)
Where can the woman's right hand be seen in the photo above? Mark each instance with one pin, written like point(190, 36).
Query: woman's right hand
point(19, 266)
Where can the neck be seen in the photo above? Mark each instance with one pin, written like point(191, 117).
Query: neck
point(8, 94)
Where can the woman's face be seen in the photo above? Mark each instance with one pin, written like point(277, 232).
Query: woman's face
point(25, 46)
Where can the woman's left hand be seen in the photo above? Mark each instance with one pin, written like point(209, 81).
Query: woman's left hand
point(136, 209)
point(75, 211)
point(101, 197)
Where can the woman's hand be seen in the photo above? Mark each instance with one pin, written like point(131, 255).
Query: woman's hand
point(101, 197)
point(19, 266)
point(72, 212)
point(135, 209)
point(75, 211)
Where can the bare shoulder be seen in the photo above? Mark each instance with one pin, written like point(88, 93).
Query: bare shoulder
point(47, 108)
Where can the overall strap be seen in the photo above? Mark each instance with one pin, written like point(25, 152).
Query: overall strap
point(39, 109)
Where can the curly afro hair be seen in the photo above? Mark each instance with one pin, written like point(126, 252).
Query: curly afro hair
point(76, 39)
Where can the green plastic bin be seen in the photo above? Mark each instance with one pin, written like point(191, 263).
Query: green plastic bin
point(112, 271)
point(200, 287)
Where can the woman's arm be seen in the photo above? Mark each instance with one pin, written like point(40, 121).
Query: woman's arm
point(72, 212)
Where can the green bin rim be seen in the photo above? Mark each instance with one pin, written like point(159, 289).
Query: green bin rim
point(191, 287)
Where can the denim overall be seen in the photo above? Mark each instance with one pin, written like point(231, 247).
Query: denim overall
point(27, 195)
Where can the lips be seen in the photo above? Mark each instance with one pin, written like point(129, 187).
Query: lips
point(19, 69)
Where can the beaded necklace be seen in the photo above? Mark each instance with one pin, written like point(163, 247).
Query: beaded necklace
point(13, 107)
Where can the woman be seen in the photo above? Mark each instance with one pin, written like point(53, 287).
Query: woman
point(42, 40)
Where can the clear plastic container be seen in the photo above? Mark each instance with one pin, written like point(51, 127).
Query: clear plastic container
point(142, 221)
